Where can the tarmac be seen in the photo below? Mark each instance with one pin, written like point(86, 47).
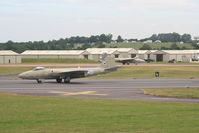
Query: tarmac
point(122, 89)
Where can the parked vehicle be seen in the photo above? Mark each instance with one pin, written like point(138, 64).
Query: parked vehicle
point(172, 61)
point(149, 60)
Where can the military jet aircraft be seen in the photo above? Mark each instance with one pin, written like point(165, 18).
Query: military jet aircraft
point(66, 74)
point(127, 61)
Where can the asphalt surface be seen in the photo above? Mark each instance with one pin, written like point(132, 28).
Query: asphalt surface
point(124, 89)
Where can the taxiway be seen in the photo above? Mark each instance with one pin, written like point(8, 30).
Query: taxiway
point(125, 89)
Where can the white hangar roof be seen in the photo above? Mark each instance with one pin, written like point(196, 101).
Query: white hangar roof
point(102, 50)
point(146, 51)
point(124, 49)
point(8, 52)
point(142, 51)
point(54, 52)
point(177, 52)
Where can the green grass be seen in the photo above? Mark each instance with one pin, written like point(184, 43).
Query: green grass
point(142, 72)
point(29, 114)
point(152, 45)
point(176, 63)
point(68, 61)
point(130, 72)
point(174, 92)
point(13, 70)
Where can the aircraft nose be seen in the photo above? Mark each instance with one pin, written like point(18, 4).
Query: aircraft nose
point(21, 75)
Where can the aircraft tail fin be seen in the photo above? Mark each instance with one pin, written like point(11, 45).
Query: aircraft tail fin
point(108, 62)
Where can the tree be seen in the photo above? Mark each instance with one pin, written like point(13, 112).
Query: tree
point(93, 39)
point(102, 38)
point(109, 38)
point(186, 38)
point(85, 46)
point(169, 37)
point(119, 39)
point(154, 37)
point(145, 47)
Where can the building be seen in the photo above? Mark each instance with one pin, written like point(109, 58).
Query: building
point(158, 41)
point(177, 55)
point(113, 52)
point(96, 53)
point(196, 38)
point(148, 41)
point(146, 54)
point(9, 57)
point(126, 52)
point(81, 54)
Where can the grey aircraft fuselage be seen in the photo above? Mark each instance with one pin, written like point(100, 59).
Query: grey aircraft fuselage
point(40, 73)
point(129, 60)
point(66, 74)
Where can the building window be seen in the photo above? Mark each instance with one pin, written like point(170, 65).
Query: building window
point(148, 56)
point(116, 55)
point(85, 56)
point(133, 55)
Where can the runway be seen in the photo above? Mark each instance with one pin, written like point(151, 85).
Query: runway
point(123, 89)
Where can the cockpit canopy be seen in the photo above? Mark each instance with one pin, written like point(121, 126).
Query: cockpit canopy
point(38, 68)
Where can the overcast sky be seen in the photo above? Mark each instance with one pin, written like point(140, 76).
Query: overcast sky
point(33, 20)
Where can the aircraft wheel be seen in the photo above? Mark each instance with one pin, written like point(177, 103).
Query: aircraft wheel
point(59, 80)
point(123, 63)
point(127, 63)
point(39, 81)
point(67, 80)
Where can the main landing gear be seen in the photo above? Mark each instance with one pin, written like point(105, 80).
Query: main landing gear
point(126, 63)
point(66, 80)
point(59, 80)
point(39, 81)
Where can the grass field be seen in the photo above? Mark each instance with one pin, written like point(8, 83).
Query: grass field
point(46, 60)
point(13, 70)
point(141, 72)
point(28, 114)
point(174, 92)
point(131, 72)
point(152, 45)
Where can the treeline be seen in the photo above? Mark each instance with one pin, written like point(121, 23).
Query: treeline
point(173, 46)
point(61, 44)
point(169, 37)
point(99, 41)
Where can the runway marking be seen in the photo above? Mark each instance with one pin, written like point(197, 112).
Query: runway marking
point(78, 93)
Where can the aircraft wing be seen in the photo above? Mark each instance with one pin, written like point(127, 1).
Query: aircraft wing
point(129, 60)
point(125, 60)
point(73, 73)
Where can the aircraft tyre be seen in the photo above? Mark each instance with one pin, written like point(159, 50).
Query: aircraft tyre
point(67, 80)
point(39, 81)
point(127, 63)
point(59, 80)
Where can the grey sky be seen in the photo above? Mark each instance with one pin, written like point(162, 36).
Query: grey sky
point(28, 20)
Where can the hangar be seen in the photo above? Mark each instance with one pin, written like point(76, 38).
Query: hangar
point(113, 52)
point(127, 52)
point(82, 54)
point(9, 57)
point(95, 53)
point(146, 54)
point(177, 55)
